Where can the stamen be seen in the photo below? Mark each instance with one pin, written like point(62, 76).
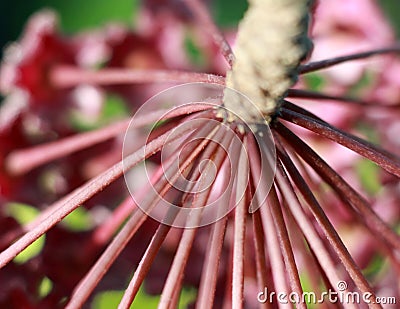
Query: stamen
point(209, 273)
point(323, 64)
point(239, 233)
point(306, 94)
point(144, 265)
point(77, 197)
point(67, 76)
point(89, 282)
point(261, 263)
point(322, 255)
point(286, 247)
point(326, 226)
point(343, 190)
point(175, 275)
point(22, 161)
point(387, 161)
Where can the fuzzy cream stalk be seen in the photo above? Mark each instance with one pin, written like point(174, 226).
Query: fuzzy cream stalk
point(271, 42)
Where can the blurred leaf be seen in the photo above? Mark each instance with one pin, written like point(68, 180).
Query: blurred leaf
point(31, 251)
point(111, 299)
point(193, 51)
point(188, 296)
point(314, 81)
point(81, 15)
point(45, 287)
point(21, 212)
point(369, 132)
point(228, 13)
point(368, 174)
point(114, 108)
point(363, 83)
point(391, 9)
point(78, 220)
point(24, 214)
point(108, 299)
point(374, 267)
point(307, 287)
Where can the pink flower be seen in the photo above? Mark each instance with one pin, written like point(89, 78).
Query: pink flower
point(345, 27)
point(287, 213)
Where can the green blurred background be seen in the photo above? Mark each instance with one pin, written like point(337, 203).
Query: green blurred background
point(77, 15)
point(83, 14)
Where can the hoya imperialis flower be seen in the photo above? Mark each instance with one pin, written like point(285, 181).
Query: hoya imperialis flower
point(289, 234)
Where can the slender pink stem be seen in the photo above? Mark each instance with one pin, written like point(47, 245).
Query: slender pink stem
point(308, 229)
point(196, 173)
point(285, 244)
point(312, 267)
point(206, 21)
point(343, 190)
point(239, 233)
point(275, 254)
point(176, 273)
point(327, 227)
point(205, 298)
point(261, 263)
point(89, 282)
point(270, 234)
point(144, 266)
point(68, 76)
point(175, 297)
point(387, 161)
point(227, 300)
point(24, 160)
point(312, 95)
point(208, 280)
point(107, 229)
point(274, 249)
point(387, 239)
point(303, 221)
point(76, 198)
point(318, 65)
point(161, 233)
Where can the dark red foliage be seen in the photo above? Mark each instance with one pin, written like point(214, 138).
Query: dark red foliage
point(20, 284)
point(31, 60)
point(67, 256)
point(32, 73)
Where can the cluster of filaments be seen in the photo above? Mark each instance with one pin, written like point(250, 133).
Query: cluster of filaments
point(280, 214)
point(290, 216)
